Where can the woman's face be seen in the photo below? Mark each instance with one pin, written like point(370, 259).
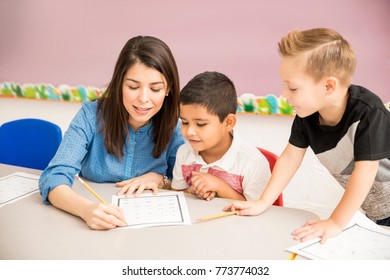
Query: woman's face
point(144, 90)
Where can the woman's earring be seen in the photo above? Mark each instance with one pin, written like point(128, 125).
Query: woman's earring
point(167, 94)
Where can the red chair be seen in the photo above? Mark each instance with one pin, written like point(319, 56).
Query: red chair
point(272, 158)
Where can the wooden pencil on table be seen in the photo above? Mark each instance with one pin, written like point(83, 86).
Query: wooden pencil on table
point(216, 216)
point(292, 256)
point(91, 190)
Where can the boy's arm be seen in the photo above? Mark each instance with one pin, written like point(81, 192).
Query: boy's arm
point(284, 169)
point(358, 186)
point(226, 191)
point(203, 183)
point(178, 181)
point(356, 191)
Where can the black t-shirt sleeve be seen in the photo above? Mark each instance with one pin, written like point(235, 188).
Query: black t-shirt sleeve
point(298, 136)
point(372, 139)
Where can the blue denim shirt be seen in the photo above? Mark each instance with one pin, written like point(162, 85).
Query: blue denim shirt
point(82, 151)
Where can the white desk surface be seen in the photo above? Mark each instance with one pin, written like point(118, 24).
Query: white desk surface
point(33, 230)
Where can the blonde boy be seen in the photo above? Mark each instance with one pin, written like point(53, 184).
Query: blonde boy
point(346, 125)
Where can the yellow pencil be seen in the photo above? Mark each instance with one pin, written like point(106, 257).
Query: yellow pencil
point(90, 189)
point(216, 216)
point(292, 256)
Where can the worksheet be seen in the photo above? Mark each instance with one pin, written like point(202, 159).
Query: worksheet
point(17, 186)
point(362, 239)
point(146, 210)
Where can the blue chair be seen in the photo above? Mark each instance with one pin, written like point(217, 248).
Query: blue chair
point(30, 143)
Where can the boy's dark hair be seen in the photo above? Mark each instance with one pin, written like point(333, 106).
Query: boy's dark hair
point(212, 90)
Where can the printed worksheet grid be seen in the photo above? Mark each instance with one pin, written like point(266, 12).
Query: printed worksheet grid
point(151, 209)
point(15, 187)
point(356, 242)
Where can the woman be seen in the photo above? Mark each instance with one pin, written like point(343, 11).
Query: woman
point(131, 131)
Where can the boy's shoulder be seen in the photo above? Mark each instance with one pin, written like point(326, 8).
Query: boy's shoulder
point(244, 148)
point(185, 150)
point(362, 95)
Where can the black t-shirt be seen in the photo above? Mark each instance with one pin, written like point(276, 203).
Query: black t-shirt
point(363, 133)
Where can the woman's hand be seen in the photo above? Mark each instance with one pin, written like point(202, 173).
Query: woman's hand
point(103, 216)
point(149, 181)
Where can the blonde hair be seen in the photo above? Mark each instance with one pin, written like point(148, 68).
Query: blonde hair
point(325, 51)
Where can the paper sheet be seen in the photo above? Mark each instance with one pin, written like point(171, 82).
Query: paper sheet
point(146, 210)
point(17, 186)
point(362, 239)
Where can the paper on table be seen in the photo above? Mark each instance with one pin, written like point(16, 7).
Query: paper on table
point(17, 186)
point(147, 210)
point(362, 239)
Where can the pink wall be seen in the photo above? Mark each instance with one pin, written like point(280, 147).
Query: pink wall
point(77, 41)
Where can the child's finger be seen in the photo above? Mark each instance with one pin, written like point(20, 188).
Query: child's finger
point(208, 195)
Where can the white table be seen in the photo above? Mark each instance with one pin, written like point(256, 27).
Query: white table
point(32, 230)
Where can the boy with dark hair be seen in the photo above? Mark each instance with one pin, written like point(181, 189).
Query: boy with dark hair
point(215, 161)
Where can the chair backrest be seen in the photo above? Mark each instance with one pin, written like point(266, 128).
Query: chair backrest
point(272, 158)
point(29, 143)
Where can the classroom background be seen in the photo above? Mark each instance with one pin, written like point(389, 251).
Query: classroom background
point(76, 42)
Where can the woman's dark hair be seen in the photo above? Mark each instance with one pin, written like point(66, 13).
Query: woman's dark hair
point(112, 114)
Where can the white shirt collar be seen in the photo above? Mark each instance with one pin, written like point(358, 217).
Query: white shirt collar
point(226, 162)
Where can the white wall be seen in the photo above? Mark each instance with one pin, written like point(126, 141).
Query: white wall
point(312, 188)
point(60, 113)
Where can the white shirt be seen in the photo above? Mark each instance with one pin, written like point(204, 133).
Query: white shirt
point(243, 167)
